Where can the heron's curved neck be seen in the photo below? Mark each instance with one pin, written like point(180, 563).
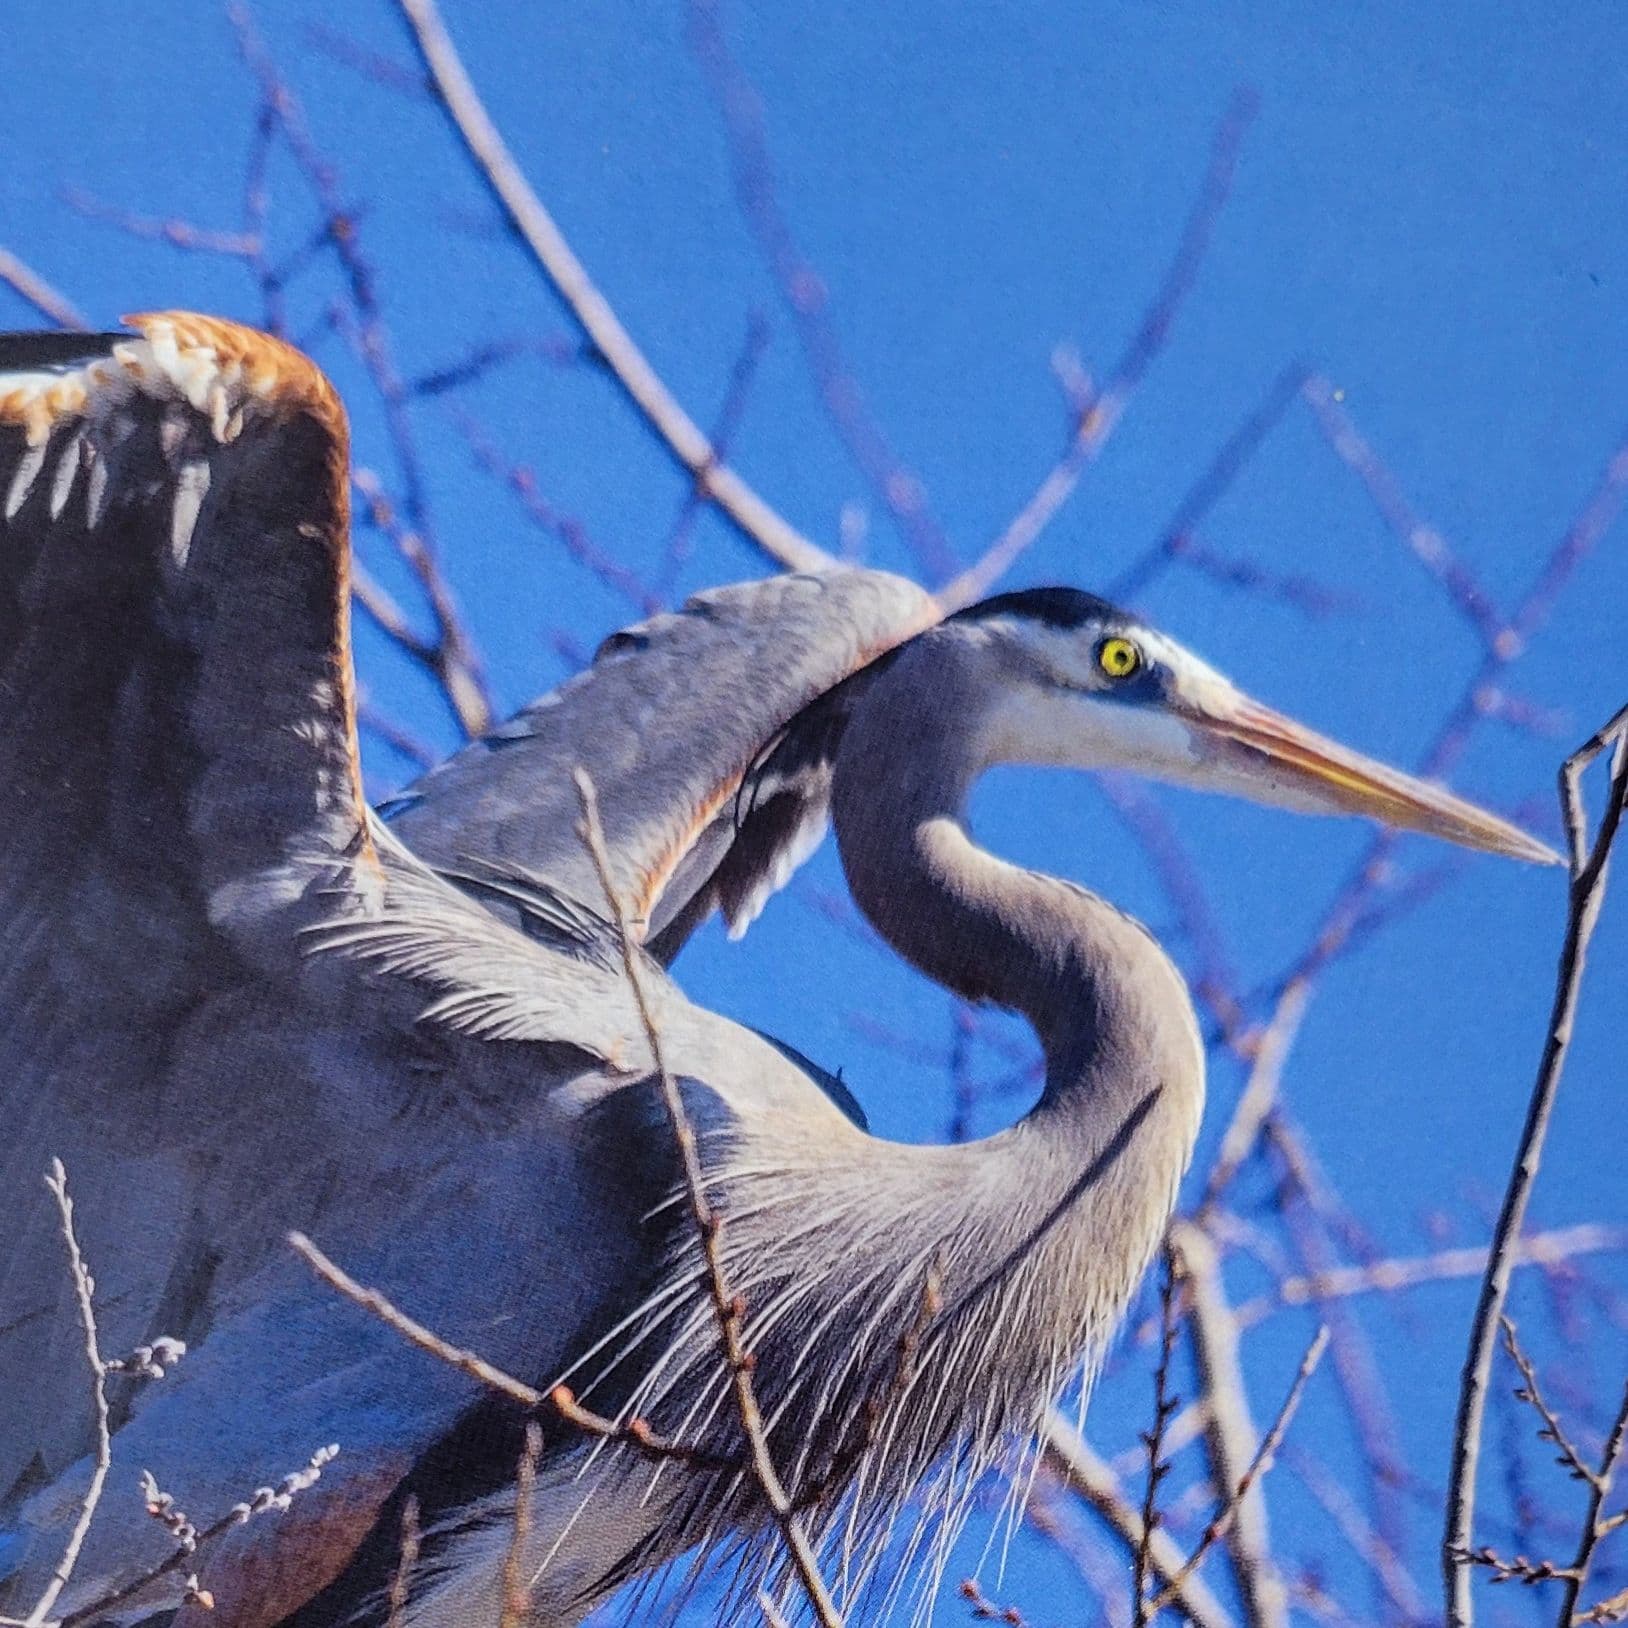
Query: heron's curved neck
point(1109, 1009)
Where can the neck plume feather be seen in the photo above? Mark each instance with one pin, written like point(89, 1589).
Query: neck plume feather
point(1002, 1262)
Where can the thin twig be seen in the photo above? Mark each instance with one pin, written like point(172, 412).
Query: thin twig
point(27, 283)
point(1551, 1430)
point(635, 1433)
point(728, 1308)
point(414, 1332)
point(1587, 895)
point(374, 65)
point(1224, 1518)
point(192, 1541)
point(1594, 1528)
point(1424, 542)
point(516, 1586)
point(1212, 484)
point(985, 1609)
point(178, 233)
point(57, 1180)
point(1100, 413)
point(1316, 1223)
point(1153, 1439)
point(395, 735)
point(1405, 1601)
point(676, 551)
point(568, 529)
point(1213, 983)
point(1613, 1609)
point(1516, 1568)
point(639, 382)
point(450, 656)
point(1078, 1465)
point(401, 1584)
point(482, 359)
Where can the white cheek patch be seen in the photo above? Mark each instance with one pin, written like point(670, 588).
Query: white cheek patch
point(1124, 735)
point(1084, 723)
point(1076, 730)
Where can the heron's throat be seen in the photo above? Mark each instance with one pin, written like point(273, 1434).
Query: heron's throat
point(1104, 1000)
point(985, 929)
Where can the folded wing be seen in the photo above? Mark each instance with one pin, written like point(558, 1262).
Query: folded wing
point(672, 720)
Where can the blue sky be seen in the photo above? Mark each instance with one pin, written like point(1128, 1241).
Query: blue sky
point(1428, 210)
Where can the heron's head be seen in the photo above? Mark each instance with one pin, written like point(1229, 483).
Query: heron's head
point(1093, 687)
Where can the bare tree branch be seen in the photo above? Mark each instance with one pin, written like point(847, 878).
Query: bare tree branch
point(401, 1584)
point(1100, 413)
point(1230, 1436)
point(1075, 1462)
point(727, 1306)
point(1587, 895)
point(1594, 1527)
point(639, 382)
point(1259, 1095)
point(1165, 1404)
point(516, 1587)
point(27, 283)
point(57, 1180)
point(1231, 1511)
point(897, 488)
point(1409, 1271)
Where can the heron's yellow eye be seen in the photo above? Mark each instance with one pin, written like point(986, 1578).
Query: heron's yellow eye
point(1118, 658)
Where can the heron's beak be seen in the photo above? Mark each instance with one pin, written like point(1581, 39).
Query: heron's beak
point(1283, 761)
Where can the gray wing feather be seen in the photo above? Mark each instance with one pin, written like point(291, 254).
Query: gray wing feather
point(492, 981)
point(175, 724)
point(668, 720)
point(179, 807)
point(181, 825)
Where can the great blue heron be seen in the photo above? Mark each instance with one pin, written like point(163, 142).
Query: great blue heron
point(235, 1002)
